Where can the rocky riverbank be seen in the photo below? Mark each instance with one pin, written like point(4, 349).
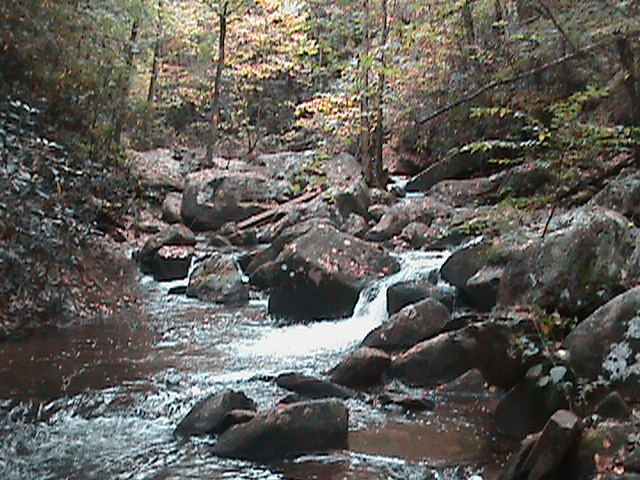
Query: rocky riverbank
point(544, 308)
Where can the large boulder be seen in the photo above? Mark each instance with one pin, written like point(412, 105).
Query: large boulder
point(217, 196)
point(318, 274)
point(443, 358)
point(414, 323)
point(346, 185)
point(171, 208)
point(288, 431)
point(211, 414)
point(217, 279)
point(607, 344)
point(587, 259)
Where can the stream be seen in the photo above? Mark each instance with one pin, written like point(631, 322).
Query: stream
point(101, 400)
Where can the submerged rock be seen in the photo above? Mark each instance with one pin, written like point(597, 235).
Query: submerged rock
point(216, 413)
point(312, 387)
point(320, 273)
point(288, 431)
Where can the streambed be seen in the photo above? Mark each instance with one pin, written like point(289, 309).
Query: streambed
point(101, 400)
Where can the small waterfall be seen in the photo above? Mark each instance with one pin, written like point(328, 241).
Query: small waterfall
point(369, 312)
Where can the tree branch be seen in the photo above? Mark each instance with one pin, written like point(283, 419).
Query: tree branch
point(512, 79)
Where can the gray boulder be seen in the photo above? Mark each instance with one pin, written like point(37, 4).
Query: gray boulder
point(587, 259)
point(167, 254)
point(621, 194)
point(288, 431)
point(613, 353)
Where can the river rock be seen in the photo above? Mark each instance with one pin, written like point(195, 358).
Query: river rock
point(614, 352)
point(443, 358)
point(541, 456)
point(214, 413)
point(311, 387)
point(481, 290)
point(362, 368)
point(414, 323)
point(167, 263)
point(171, 208)
point(288, 431)
point(587, 259)
point(217, 279)
point(401, 214)
point(405, 293)
point(464, 263)
point(621, 194)
point(319, 274)
point(215, 197)
point(347, 186)
point(475, 191)
point(613, 406)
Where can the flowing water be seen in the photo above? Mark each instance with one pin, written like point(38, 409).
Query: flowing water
point(101, 400)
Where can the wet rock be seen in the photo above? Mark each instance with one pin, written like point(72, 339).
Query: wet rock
point(407, 402)
point(411, 325)
point(398, 216)
point(621, 194)
point(586, 260)
point(318, 274)
point(613, 353)
point(540, 457)
point(445, 357)
point(469, 383)
point(527, 406)
point(402, 294)
point(215, 413)
point(288, 431)
point(164, 263)
point(613, 406)
point(171, 208)
point(216, 279)
point(215, 197)
point(311, 387)
point(362, 368)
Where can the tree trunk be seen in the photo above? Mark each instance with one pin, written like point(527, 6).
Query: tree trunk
point(215, 101)
point(467, 20)
point(153, 82)
point(628, 63)
point(378, 130)
point(120, 108)
point(365, 121)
